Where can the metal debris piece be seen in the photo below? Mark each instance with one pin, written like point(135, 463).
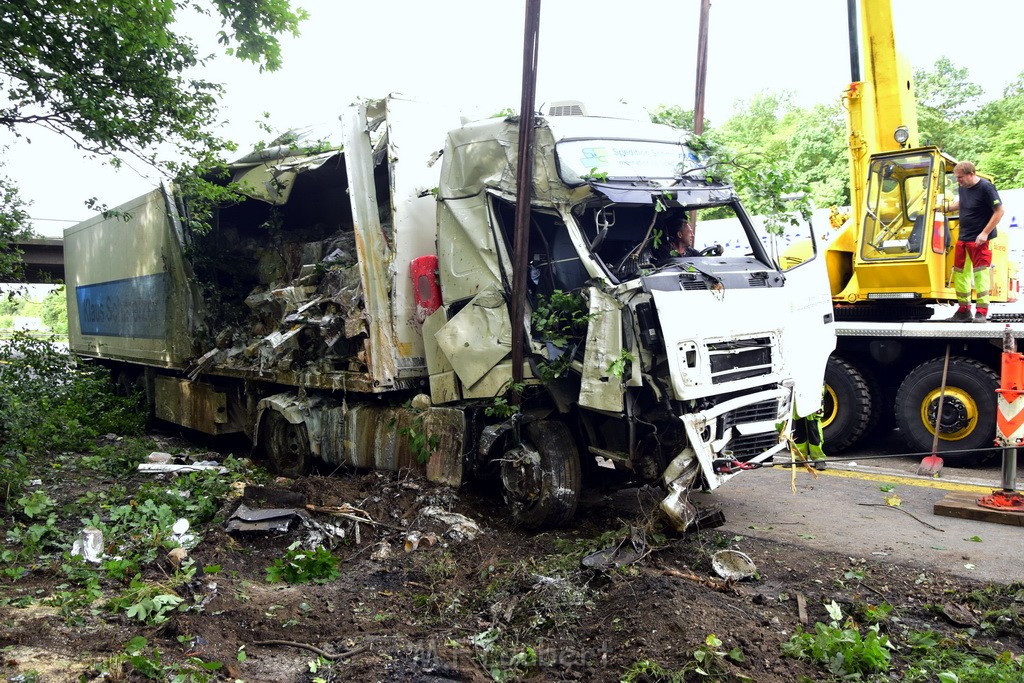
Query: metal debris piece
point(414, 538)
point(460, 526)
point(733, 565)
point(158, 468)
point(89, 545)
point(272, 519)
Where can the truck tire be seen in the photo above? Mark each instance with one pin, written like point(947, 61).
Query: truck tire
point(542, 476)
point(285, 445)
point(968, 420)
point(850, 407)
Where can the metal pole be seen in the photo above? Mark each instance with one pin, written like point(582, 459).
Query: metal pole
point(702, 67)
point(1009, 468)
point(851, 18)
point(524, 192)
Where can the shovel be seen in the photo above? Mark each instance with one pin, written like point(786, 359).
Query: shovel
point(932, 464)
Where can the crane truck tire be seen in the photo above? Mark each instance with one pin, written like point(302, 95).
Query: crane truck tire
point(542, 476)
point(968, 420)
point(285, 445)
point(851, 405)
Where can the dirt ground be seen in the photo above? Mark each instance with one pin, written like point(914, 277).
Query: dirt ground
point(427, 596)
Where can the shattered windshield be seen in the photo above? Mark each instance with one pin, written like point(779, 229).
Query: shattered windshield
point(580, 160)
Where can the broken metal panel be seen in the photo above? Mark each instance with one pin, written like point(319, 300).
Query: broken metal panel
point(436, 361)
point(478, 337)
point(496, 382)
point(710, 441)
point(449, 426)
point(375, 254)
point(272, 181)
point(444, 388)
point(469, 255)
point(195, 405)
point(378, 437)
point(443, 384)
point(483, 155)
point(600, 389)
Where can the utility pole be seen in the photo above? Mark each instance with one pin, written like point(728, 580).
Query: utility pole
point(702, 67)
point(524, 192)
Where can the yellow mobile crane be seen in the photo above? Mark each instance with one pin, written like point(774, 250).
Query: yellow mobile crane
point(893, 258)
point(897, 249)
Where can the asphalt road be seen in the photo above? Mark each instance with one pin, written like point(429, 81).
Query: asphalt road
point(844, 509)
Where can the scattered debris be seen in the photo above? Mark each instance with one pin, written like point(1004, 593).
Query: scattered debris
point(733, 565)
point(180, 534)
point(461, 528)
point(620, 554)
point(161, 468)
point(271, 519)
point(89, 545)
point(177, 557)
point(414, 538)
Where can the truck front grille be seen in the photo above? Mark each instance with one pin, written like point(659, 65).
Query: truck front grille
point(747, 447)
point(735, 359)
point(764, 411)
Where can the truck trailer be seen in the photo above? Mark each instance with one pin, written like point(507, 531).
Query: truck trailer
point(352, 306)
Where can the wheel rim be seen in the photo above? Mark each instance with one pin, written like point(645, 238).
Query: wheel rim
point(828, 406)
point(959, 413)
point(521, 474)
point(287, 444)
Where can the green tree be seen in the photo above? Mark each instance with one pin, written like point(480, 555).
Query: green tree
point(54, 311)
point(947, 104)
point(13, 227)
point(1002, 124)
point(673, 115)
point(819, 154)
point(116, 77)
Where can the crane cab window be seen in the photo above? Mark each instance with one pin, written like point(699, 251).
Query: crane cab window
point(897, 202)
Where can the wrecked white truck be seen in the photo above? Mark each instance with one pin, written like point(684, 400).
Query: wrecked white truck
point(353, 307)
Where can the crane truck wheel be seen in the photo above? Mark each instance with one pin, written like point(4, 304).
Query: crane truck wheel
point(968, 421)
point(542, 475)
point(285, 445)
point(850, 407)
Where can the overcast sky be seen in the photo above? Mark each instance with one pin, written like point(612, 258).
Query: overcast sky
point(469, 52)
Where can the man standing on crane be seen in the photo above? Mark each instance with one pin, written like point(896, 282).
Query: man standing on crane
point(980, 210)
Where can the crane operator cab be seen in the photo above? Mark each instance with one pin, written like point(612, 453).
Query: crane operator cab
point(906, 246)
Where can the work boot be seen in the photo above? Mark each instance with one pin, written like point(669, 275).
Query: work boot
point(980, 318)
point(962, 315)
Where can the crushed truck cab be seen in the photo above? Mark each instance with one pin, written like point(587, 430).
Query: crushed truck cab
point(354, 308)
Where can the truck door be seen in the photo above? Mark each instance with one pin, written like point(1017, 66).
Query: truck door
point(809, 336)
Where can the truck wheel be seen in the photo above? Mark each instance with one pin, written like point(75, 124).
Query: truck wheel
point(968, 420)
point(541, 476)
point(850, 407)
point(285, 445)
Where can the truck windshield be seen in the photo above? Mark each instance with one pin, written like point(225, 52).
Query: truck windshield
point(580, 160)
point(897, 202)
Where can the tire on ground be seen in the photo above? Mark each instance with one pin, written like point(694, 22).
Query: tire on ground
point(850, 406)
point(542, 476)
point(969, 407)
point(285, 445)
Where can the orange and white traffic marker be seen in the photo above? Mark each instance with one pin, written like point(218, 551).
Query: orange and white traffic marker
point(1009, 426)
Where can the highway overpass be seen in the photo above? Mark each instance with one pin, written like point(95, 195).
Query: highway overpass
point(44, 260)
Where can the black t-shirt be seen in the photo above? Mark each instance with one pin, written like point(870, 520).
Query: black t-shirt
point(977, 204)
